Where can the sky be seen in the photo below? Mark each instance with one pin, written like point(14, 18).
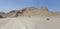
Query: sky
point(8, 5)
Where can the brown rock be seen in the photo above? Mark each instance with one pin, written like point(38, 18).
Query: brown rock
point(29, 11)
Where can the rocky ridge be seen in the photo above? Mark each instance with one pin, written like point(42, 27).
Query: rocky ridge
point(30, 11)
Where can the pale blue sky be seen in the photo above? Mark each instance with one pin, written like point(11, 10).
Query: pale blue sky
point(8, 5)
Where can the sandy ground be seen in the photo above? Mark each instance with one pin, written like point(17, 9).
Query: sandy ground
point(33, 22)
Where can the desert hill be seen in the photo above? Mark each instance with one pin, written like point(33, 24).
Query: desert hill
point(30, 11)
point(30, 18)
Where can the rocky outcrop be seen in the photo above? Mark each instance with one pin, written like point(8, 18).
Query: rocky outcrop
point(2, 14)
point(14, 13)
point(44, 11)
point(30, 11)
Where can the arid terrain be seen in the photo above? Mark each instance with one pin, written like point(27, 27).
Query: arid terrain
point(30, 18)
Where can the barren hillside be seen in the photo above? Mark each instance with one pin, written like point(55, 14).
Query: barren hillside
point(30, 18)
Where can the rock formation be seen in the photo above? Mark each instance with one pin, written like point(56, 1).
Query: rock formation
point(45, 12)
point(43, 8)
point(2, 14)
point(30, 11)
point(14, 13)
point(30, 18)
